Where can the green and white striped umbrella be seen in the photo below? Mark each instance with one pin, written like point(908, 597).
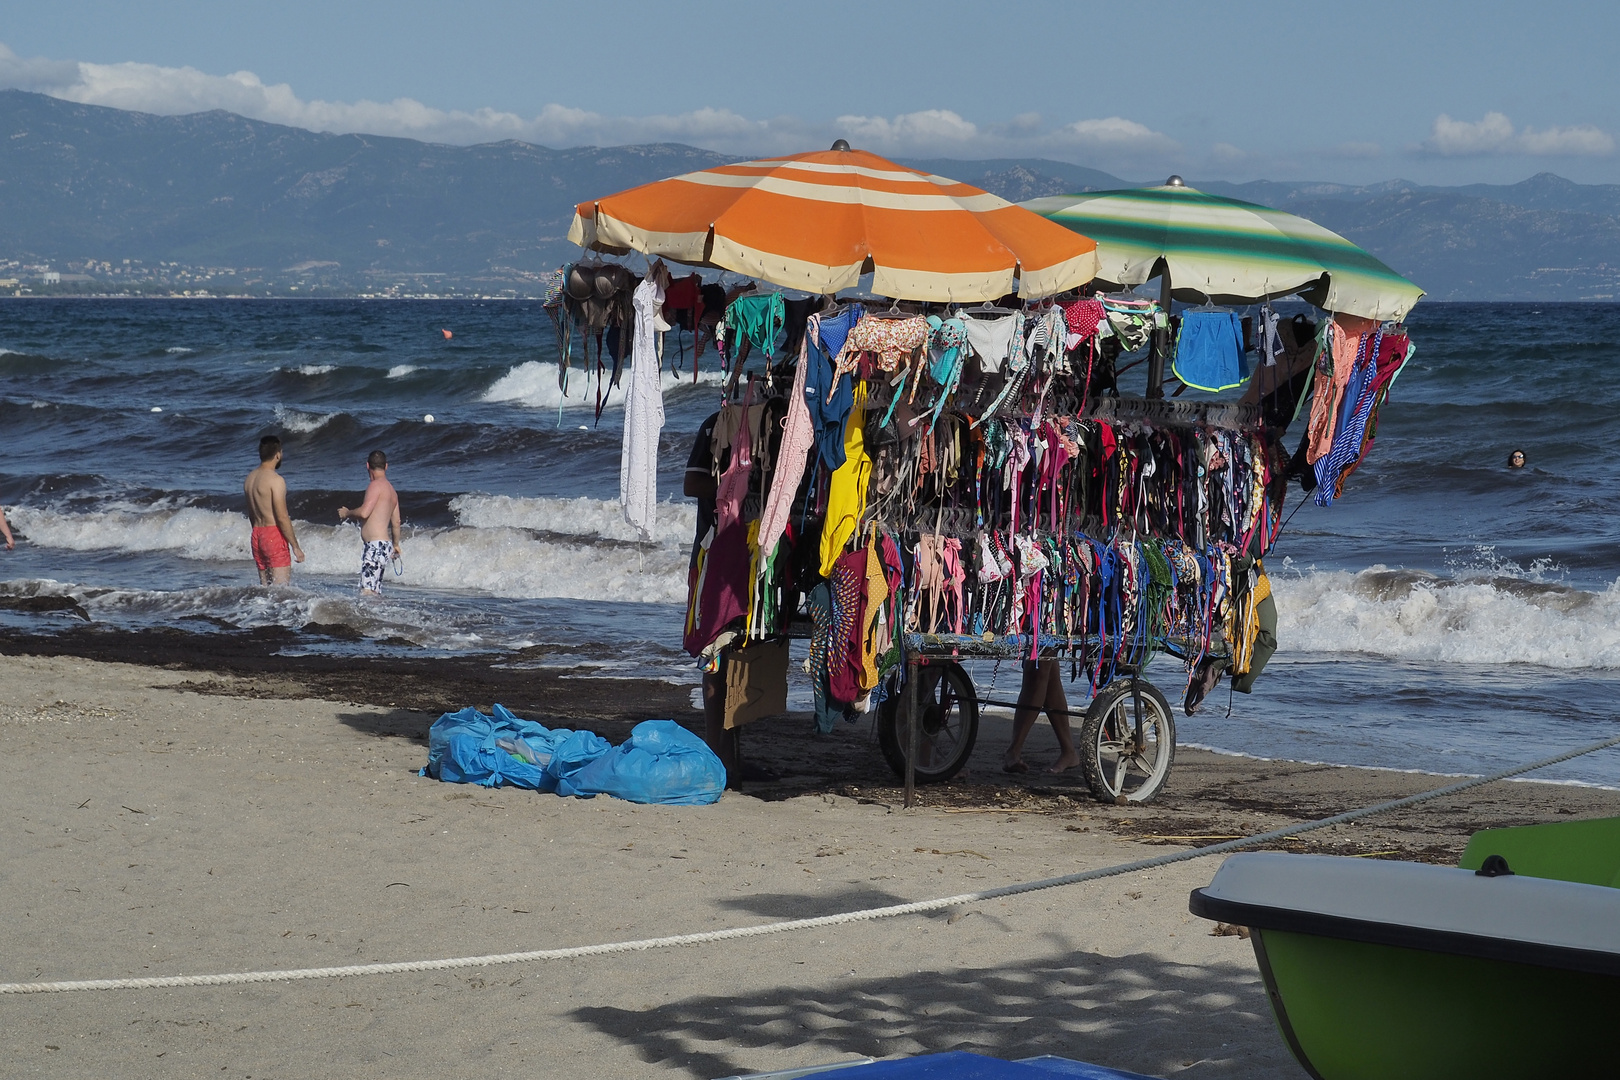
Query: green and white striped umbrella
point(1228, 251)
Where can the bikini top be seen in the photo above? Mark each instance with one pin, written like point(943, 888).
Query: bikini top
point(947, 341)
point(1082, 318)
point(595, 296)
point(829, 332)
point(553, 281)
point(892, 341)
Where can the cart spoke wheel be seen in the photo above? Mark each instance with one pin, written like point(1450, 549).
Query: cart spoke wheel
point(947, 723)
point(1128, 742)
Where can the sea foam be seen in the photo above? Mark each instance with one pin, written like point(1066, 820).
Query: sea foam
point(302, 422)
point(534, 384)
point(577, 549)
point(1410, 615)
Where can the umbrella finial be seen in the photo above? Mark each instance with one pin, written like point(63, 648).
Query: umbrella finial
point(1175, 181)
point(841, 144)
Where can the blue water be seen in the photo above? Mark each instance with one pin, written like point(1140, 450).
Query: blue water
point(1447, 615)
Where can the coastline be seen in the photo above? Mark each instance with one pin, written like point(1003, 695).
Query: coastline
point(227, 809)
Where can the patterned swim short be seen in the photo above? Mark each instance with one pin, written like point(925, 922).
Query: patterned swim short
point(374, 561)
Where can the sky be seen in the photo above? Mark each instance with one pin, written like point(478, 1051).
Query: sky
point(1433, 92)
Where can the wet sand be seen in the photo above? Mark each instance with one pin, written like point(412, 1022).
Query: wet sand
point(218, 808)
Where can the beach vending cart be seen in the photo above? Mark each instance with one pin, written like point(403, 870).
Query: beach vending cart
point(923, 453)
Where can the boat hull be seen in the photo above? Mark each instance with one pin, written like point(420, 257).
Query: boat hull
point(1355, 1010)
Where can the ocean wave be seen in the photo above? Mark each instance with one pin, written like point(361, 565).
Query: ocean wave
point(253, 607)
point(312, 369)
point(1479, 619)
point(399, 371)
point(177, 350)
point(575, 549)
point(534, 384)
point(673, 523)
point(303, 422)
point(581, 549)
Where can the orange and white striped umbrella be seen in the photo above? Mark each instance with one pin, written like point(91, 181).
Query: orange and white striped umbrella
point(816, 222)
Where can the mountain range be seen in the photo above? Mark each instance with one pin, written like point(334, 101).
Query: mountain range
point(250, 206)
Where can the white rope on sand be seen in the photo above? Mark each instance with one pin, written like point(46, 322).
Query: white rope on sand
point(917, 908)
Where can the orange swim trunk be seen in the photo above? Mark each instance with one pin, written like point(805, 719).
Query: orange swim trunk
point(270, 548)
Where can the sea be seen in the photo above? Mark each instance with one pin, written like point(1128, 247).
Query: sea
point(1447, 615)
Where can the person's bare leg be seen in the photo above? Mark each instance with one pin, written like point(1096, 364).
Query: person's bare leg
point(1057, 711)
point(721, 741)
point(1030, 696)
point(279, 575)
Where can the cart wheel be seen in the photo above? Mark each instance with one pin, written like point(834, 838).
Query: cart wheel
point(948, 725)
point(1126, 753)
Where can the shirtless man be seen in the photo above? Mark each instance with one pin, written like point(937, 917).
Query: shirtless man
point(273, 534)
point(379, 519)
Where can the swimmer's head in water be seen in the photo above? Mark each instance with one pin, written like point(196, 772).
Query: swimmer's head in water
point(1516, 459)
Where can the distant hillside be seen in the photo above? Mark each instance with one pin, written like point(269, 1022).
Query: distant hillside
point(82, 182)
point(83, 188)
point(1019, 179)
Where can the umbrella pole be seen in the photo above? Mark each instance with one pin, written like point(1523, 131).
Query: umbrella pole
point(1161, 338)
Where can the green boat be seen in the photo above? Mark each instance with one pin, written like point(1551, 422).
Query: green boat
point(1507, 966)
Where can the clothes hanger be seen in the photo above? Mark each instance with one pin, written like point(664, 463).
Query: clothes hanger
point(986, 308)
point(894, 312)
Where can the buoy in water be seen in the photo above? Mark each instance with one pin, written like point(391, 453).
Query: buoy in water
point(447, 334)
point(427, 418)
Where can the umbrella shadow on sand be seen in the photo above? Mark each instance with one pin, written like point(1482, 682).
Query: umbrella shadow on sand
point(1138, 1012)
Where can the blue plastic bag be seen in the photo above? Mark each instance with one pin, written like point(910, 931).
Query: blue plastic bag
point(465, 748)
point(661, 763)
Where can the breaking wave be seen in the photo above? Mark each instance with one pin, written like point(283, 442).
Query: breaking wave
point(578, 549)
point(1482, 619)
point(534, 384)
point(303, 422)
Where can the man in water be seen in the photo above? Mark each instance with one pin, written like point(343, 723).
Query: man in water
point(378, 516)
point(1516, 459)
point(275, 545)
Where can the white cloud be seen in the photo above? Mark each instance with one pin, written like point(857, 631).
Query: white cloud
point(930, 129)
point(1495, 134)
point(1118, 133)
point(1582, 141)
point(1110, 142)
point(172, 91)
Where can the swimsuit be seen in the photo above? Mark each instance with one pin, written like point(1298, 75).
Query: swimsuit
point(995, 340)
point(798, 437)
point(270, 549)
point(892, 341)
point(1209, 351)
point(759, 319)
point(374, 560)
point(1082, 317)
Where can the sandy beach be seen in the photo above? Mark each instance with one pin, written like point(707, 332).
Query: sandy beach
point(210, 813)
